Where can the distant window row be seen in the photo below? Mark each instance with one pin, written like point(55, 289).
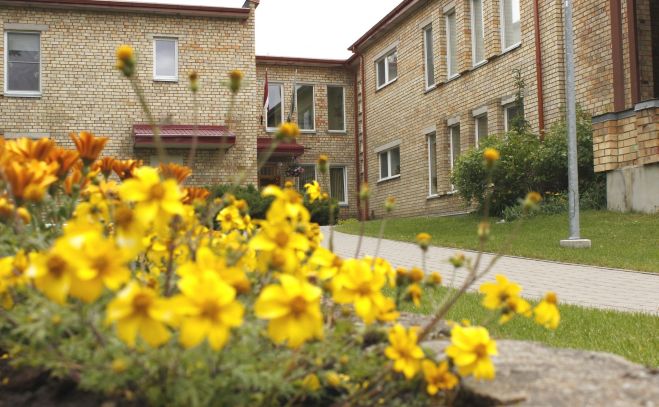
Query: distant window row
point(23, 62)
point(304, 107)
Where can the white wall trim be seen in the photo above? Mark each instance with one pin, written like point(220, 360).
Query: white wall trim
point(506, 100)
point(449, 8)
point(430, 129)
point(386, 51)
point(30, 135)
point(387, 146)
point(452, 121)
point(479, 111)
point(25, 27)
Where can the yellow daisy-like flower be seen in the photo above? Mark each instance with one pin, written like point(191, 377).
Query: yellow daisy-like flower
point(404, 350)
point(491, 155)
point(154, 197)
point(53, 271)
point(438, 377)
point(313, 191)
point(139, 310)
point(282, 244)
point(497, 293)
point(546, 313)
point(230, 219)
point(207, 261)
point(287, 131)
point(414, 292)
point(359, 284)
point(470, 350)
point(293, 309)
point(423, 240)
point(208, 308)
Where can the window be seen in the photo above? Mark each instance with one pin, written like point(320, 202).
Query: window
point(308, 176)
point(387, 68)
point(477, 33)
point(511, 32)
point(305, 110)
point(336, 119)
point(389, 163)
point(165, 59)
point(432, 163)
point(512, 115)
point(451, 44)
point(23, 63)
point(480, 124)
point(339, 184)
point(275, 114)
point(429, 57)
point(454, 140)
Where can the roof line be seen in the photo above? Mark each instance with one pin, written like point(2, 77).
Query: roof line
point(398, 10)
point(277, 60)
point(125, 6)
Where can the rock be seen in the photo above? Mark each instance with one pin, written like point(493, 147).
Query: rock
point(531, 374)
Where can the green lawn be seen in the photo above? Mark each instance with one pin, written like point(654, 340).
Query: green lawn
point(620, 240)
point(631, 335)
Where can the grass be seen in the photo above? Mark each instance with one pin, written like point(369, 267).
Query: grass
point(631, 335)
point(620, 240)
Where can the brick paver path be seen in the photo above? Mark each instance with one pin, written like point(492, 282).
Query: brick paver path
point(575, 284)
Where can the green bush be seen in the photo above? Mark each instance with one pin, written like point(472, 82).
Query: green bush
point(527, 164)
point(319, 211)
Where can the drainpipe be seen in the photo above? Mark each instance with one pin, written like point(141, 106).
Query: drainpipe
point(356, 135)
point(364, 140)
point(616, 54)
point(538, 70)
point(633, 51)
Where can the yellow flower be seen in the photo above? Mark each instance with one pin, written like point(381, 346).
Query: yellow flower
point(438, 377)
point(125, 52)
point(389, 204)
point(416, 274)
point(53, 271)
point(139, 310)
point(208, 308)
point(414, 293)
point(532, 200)
point(311, 382)
point(89, 146)
point(359, 284)
point(323, 159)
point(236, 76)
point(125, 59)
point(154, 197)
point(287, 131)
point(435, 278)
point(281, 243)
point(497, 294)
point(423, 240)
point(546, 313)
point(491, 155)
point(515, 305)
point(470, 350)
point(27, 149)
point(230, 219)
point(457, 260)
point(404, 350)
point(293, 309)
point(313, 190)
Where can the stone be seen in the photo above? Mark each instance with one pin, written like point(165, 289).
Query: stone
point(576, 243)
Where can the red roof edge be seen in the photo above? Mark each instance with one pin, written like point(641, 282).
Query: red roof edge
point(264, 143)
point(403, 6)
point(279, 60)
point(126, 6)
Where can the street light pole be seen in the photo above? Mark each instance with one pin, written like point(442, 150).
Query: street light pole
point(574, 239)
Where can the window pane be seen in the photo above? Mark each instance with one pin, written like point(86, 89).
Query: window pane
point(432, 162)
point(309, 175)
point(23, 47)
point(430, 57)
point(477, 30)
point(392, 62)
point(166, 58)
point(305, 113)
point(455, 144)
point(337, 184)
point(381, 73)
point(274, 106)
point(451, 41)
point(481, 128)
point(335, 108)
point(511, 115)
point(511, 23)
point(23, 76)
point(384, 164)
point(394, 156)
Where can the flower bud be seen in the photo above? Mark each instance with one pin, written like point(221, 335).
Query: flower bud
point(194, 81)
point(532, 200)
point(457, 260)
point(389, 204)
point(484, 230)
point(236, 77)
point(287, 131)
point(323, 160)
point(435, 278)
point(491, 155)
point(423, 239)
point(416, 274)
point(126, 60)
point(364, 192)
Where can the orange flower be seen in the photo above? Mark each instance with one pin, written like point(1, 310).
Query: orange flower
point(124, 168)
point(194, 194)
point(74, 178)
point(104, 165)
point(29, 180)
point(88, 145)
point(26, 148)
point(66, 159)
point(175, 171)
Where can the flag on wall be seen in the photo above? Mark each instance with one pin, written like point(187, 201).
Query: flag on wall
point(266, 97)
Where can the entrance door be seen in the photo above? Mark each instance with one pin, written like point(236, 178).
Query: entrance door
point(269, 175)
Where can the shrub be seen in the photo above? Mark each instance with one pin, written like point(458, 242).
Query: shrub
point(319, 211)
point(257, 203)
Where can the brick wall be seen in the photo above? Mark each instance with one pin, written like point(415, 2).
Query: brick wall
point(83, 91)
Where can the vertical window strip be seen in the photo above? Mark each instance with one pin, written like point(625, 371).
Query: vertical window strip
point(338, 184)
point(432, 164)
point(451, 45)
point(336, 108)
point(429, 56)
point(477, 31)
point(510, 23)
point(165, 59)
point(306, 115)
point(275, 114)
point(23, 63)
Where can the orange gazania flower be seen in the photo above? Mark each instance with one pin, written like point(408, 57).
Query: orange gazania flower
point(104, 165)
point(124, 168)
point(66, 159)
point(31, 149)
point(88, 145)
point(74, 178)
point(175, 171)
point(195, 194)
point(29, 180)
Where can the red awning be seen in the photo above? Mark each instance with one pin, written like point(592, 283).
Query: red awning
point(181, 136)
point(264, 144)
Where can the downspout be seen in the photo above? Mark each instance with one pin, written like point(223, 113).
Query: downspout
point(364, 140)
point(633, 51)
point(538, 70)
point(616, 56)
point(356, 136)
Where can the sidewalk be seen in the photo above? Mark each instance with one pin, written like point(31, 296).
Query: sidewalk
point(589, 286)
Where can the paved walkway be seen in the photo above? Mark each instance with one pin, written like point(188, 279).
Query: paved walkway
point(575, 284)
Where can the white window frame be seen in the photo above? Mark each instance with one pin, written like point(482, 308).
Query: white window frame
point(387, 151)
point(450, 140)
point(387, 79)
point(505, 115)
point(425, 31)
point(343, 88)
point(502, 29)
point(161, 78)
point(473, 36)
point(430, 193)
point(281, 93)
point(22, 93)
point(297, 106)
point(345, 184)
point(451, 12)
point(479, 136)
